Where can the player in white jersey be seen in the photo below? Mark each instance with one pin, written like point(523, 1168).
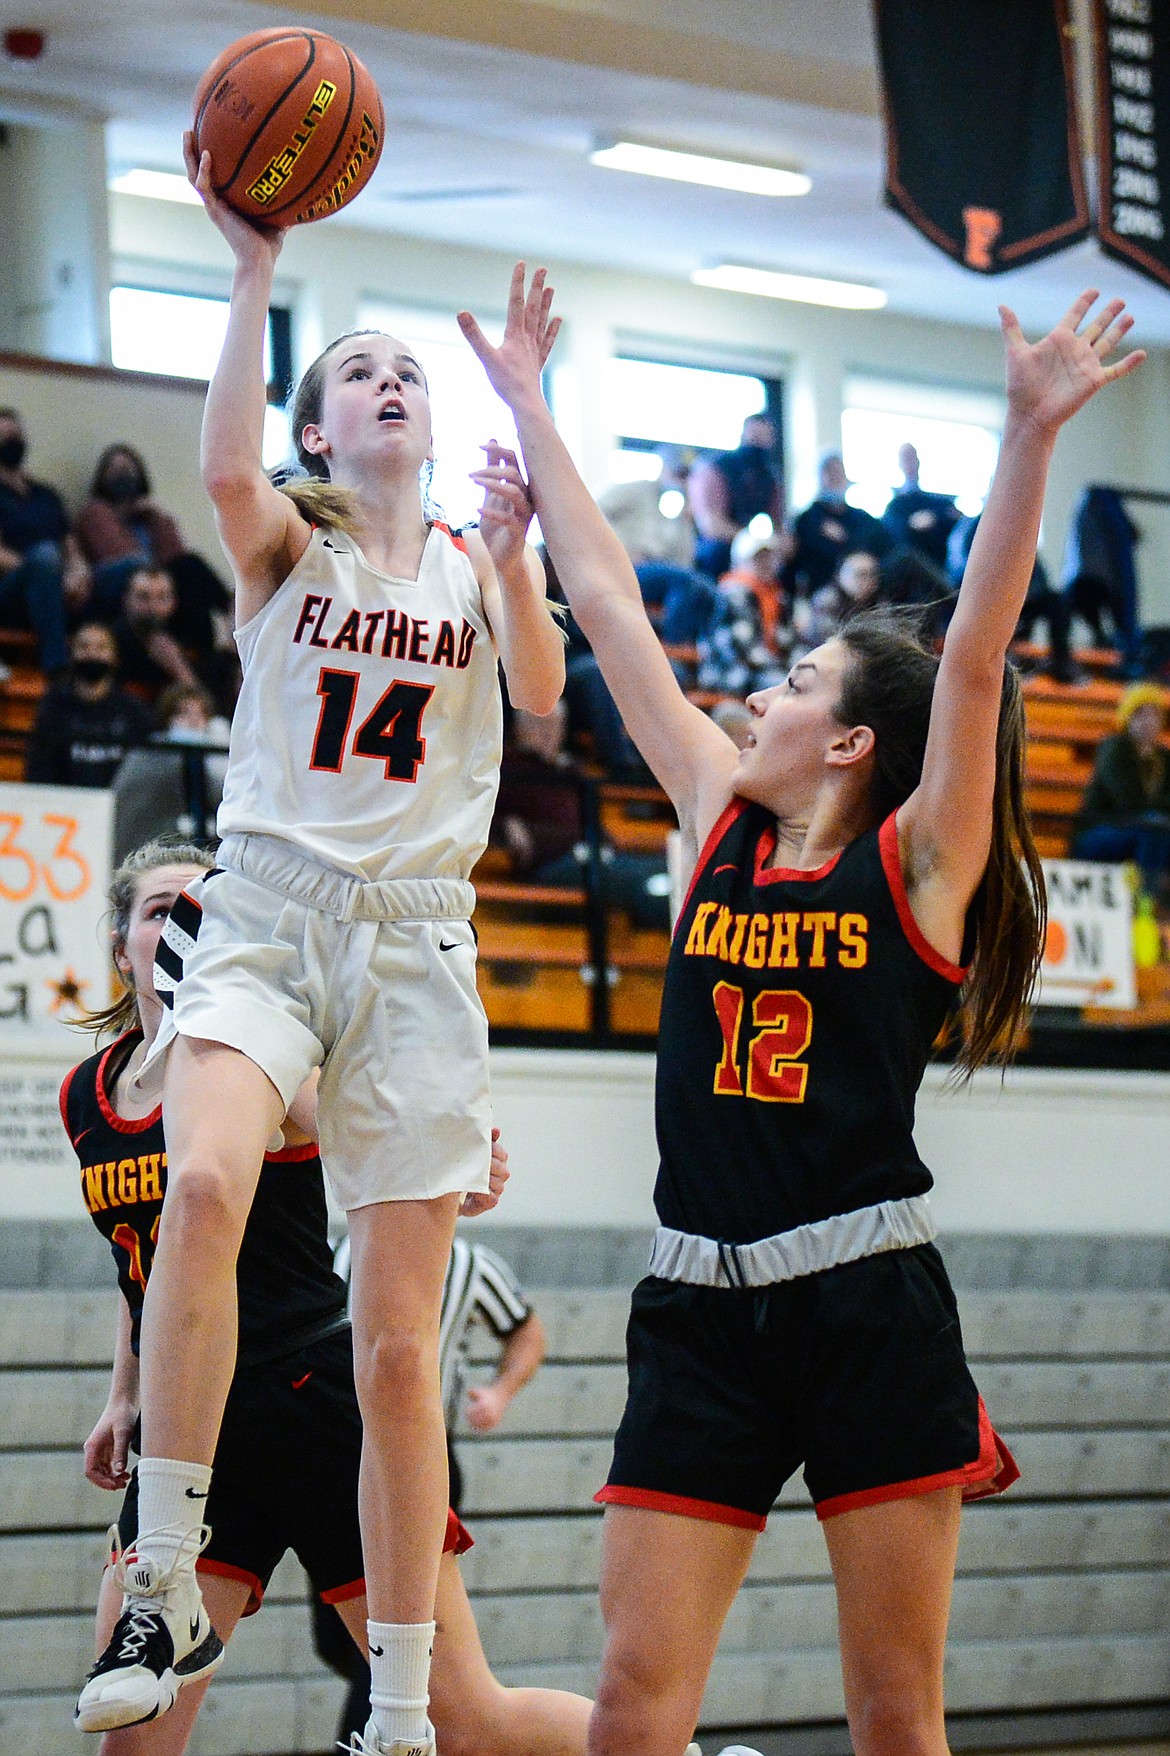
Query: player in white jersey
point(336, 933)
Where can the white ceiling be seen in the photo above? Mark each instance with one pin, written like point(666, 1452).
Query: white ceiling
point(487, 146)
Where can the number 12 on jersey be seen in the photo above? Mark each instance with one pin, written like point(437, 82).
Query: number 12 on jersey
point(784, 1021)
point(391, 733)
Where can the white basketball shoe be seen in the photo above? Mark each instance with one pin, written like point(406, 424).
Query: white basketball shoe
point(368, 1743)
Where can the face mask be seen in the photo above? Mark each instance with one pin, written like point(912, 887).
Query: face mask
point(91, 670)
point(122, 487)
point(12, 452)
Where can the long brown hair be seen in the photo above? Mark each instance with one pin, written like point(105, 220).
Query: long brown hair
point(122, 1014)
point(888, 685)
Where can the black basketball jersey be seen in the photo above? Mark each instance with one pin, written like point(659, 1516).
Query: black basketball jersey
point(798, 1015)
point(288, 1292)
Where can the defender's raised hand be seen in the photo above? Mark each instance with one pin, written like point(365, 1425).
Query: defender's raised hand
point(1049, 380)
point(515, 366)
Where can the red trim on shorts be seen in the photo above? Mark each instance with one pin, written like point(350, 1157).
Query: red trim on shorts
point(225, 1570)
point(613, 1494)
point(341, 1594)
point(895, 878)
point(293, 1155)
point(992, 1471)
point(457, 1539)
point(107, 1109)
point(766, 847)
point(730, 812)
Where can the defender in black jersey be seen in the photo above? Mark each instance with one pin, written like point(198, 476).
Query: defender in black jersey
point(866, 866)
point(286, 1464)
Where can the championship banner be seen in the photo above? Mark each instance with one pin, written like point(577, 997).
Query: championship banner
point(1132, 46)
point(1088, 954)
point(982, 150)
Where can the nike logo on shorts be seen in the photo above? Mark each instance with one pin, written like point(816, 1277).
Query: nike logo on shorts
point(443, 946)
point(194, 1625)
point(298, 1382)
point(194, 1494)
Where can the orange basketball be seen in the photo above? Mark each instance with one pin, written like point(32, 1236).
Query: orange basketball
point(294, 125)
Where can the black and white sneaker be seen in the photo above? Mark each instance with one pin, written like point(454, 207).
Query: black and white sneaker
point(162, 1640)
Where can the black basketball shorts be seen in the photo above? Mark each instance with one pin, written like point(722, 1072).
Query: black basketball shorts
point(285, 1476)
point(856, 1373)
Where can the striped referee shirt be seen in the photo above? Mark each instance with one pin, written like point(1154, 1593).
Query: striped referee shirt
point(479, 1288)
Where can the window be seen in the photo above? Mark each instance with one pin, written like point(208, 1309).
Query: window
point(954, 431)
point(654, 404)
point(180, 335)
point(465, 410)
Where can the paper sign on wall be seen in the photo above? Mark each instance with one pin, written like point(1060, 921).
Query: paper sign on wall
point(1088, 954)
point(54, 874)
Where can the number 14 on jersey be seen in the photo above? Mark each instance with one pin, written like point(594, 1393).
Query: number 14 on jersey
point(391, 732)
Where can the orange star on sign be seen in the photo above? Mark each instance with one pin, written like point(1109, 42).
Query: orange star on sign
point(67, 991)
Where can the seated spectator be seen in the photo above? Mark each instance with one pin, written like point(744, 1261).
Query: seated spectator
point(727, 491)
point(149, 653)
point(1125, 813)
point(749, 637)
point(916, 519)
point(633, 511)
point(540, 820)
point(120, 529)
point(828, 530)
point(1042, 604)
point(857, 586)
point(187, 714)
point(86, 723)
point(43, 578)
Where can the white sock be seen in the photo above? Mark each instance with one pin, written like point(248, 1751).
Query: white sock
point(172, 1500)
point(400, 1669)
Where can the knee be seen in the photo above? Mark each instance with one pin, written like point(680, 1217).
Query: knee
point(204, 1205)
point(397, 1361)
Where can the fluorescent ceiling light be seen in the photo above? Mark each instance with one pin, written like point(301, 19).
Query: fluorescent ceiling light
point(692, 167)
point(805, 289)
point(159, 185)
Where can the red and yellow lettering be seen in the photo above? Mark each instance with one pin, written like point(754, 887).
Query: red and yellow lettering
point(696, 945)
point(818, 923)
point(774, 1074)
point(853, 947)
point(127, 1182)
point(150, 1167)
point(717, 937)
point(729, 1011)
point(784, 954)
point(756, 949)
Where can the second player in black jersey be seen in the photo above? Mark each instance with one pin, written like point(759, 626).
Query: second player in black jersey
point(862, 864)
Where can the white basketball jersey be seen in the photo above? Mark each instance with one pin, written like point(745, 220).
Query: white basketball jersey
point(369, 726)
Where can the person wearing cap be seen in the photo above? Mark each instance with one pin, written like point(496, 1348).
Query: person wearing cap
point(829, 529)
point(1125, 813)
point(749, 637)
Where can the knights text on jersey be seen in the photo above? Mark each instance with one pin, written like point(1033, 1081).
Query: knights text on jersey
point(798, 1015)
point(284, 1274)
point(368, 729)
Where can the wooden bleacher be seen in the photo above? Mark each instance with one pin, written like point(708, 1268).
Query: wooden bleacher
point(1062, 1600)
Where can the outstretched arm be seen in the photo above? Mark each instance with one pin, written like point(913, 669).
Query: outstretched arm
point(511, 579)
point(691, 757)
point(945, 827)
point(261, 529)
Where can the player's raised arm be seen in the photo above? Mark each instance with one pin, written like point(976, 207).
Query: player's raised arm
point(261, 529)
point(945, 826)
point(691, 757)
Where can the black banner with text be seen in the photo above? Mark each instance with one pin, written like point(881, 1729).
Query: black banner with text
point(1132, 40)
point(982, 154)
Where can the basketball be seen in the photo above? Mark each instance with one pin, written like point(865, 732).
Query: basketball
point(294, 125)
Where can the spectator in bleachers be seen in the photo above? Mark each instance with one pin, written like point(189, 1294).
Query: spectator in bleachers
point(1042, 604)
point(748, 640)
point(829, 529)
point(1125, 813)
point(727, 491)
point(120, 529)
point(86, 723)
point(916, 519)
point(856, 586)
point(1100, 572)
point(734, 718)
point(540, 820)
point(149, 652)
point(43, 578)
point(662, 548)
point(187, 714)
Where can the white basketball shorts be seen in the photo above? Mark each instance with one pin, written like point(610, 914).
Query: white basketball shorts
point(298, 965)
